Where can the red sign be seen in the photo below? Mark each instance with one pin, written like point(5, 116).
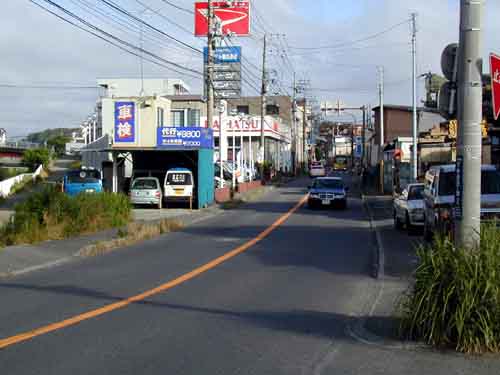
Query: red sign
point(234, 19)
point(495, 83)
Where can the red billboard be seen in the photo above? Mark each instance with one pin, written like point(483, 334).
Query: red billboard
point(495, 83)
point(234, 18)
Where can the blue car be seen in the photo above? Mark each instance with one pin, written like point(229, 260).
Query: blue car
point(327, 191)
point(82, 181)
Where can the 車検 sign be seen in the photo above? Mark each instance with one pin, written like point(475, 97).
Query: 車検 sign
point(124, 122)
point(233, 17)
point(495, 84)
point(176, 138)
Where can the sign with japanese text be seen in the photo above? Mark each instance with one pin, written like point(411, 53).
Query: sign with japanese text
point(185, 138)
point(224, 55)
point(233, 17)
point(124, 122)
point(495, 84)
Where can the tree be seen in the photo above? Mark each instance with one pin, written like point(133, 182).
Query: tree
point(58, 143)
point(33, 158)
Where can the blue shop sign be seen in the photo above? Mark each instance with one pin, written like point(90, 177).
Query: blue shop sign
point(175, 138)
point(224, 55)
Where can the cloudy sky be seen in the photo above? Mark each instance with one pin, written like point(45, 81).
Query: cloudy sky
point(49, 68)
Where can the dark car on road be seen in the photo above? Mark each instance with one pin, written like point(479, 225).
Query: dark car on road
point(327, 191)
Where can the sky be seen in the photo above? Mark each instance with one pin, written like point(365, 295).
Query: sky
point(54, 66)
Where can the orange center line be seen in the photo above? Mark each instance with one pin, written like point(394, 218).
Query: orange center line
point(9, 341)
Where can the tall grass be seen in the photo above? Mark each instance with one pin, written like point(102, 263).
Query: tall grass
point(50, 215)
point(455, 301)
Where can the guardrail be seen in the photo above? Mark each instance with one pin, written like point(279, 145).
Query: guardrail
point(7, 185)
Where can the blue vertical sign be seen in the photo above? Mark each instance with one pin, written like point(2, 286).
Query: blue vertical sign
point(125, 122)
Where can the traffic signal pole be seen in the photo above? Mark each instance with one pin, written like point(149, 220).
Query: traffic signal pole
point(414, 80)
point(469, 120)
point(210, 67)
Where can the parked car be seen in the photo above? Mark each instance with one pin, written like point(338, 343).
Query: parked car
point(82, 181)
point(439, 198)
point(146, 191)
point(409, 208)
point(317, 170)
point(327, 191)
point(179, 186)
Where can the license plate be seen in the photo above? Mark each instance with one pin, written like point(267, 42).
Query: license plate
point(325, 202)
point(179, 192)
point(89, 190)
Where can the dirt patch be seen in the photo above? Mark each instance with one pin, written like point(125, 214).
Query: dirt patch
point(132, 234)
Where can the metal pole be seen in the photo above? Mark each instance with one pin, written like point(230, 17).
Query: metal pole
point(363, 137)
point(381, 99)
point(469, 118)
point(415, 120)
point(294, 125)
point(210, 67)
point(262, 145)
point(142, 57)
point(220, 147)
point(234, 161)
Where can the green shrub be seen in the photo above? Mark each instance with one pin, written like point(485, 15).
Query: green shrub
point(455, 301)
point(6, 173)
point(51, 215)
point(33, 158)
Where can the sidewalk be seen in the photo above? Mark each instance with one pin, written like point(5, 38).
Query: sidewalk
point(397, 262)
point(17, 260)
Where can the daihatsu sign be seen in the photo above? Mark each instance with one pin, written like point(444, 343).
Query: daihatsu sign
point(234, 17)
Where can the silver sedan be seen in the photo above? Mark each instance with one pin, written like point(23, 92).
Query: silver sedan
point(146, 191)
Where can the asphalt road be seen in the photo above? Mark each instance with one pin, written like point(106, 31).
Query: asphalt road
point(279, 307)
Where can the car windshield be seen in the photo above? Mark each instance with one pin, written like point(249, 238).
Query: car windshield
point(148, 184)
point(415, 193)
point(179, 179)
point(328, 184)
point(490, 183)
point(83, 177)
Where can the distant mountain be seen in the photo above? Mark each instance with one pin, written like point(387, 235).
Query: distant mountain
point(44, 136)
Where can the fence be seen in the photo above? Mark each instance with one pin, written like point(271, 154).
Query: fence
point(7, 185)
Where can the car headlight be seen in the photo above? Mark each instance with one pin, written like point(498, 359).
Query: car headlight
point(314, 195)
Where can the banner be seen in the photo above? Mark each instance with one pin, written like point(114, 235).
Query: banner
point(185, 138)
point(125, 122)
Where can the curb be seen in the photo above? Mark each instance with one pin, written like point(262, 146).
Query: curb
point(378, 265)
point(357, 328)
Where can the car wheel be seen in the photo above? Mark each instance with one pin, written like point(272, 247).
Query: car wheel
point(428, 236)
point(310, 204)
point(397, 223)
point(409, 228)
point(343, 205)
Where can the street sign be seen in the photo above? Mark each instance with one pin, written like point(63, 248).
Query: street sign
point(495, 84)
point(227, 76)
point(224, 55)
point(226, 85)
point(227, 67)
point(233, 17)
point(227, 94)
point(448, 61)
point(447, 109)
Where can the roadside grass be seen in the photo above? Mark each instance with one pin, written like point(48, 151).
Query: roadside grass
point(455, 300)
point(132, 234)
point(52, 215)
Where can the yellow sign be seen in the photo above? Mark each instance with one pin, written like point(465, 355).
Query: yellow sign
point(453, 128)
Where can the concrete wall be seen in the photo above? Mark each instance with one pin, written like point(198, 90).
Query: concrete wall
point(7, 185)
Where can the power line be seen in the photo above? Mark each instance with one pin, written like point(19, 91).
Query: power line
point(115, 38)
point(145, 6)
point(47, 87)
point(373, 36)
point(178, 7)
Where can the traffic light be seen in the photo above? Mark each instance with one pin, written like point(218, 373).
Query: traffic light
point(447, 98)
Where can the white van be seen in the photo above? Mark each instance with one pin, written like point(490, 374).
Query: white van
point(179, 186)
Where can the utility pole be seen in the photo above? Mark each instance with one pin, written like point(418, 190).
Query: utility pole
point(304, 123)
point(262, 145)
point(469, 119)
point(210, 67)
point(415, 120)
point(363, 137)
point(294, 125)
point(381, 102)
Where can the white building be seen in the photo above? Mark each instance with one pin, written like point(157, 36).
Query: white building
point(3, 136)
point(130, 87)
